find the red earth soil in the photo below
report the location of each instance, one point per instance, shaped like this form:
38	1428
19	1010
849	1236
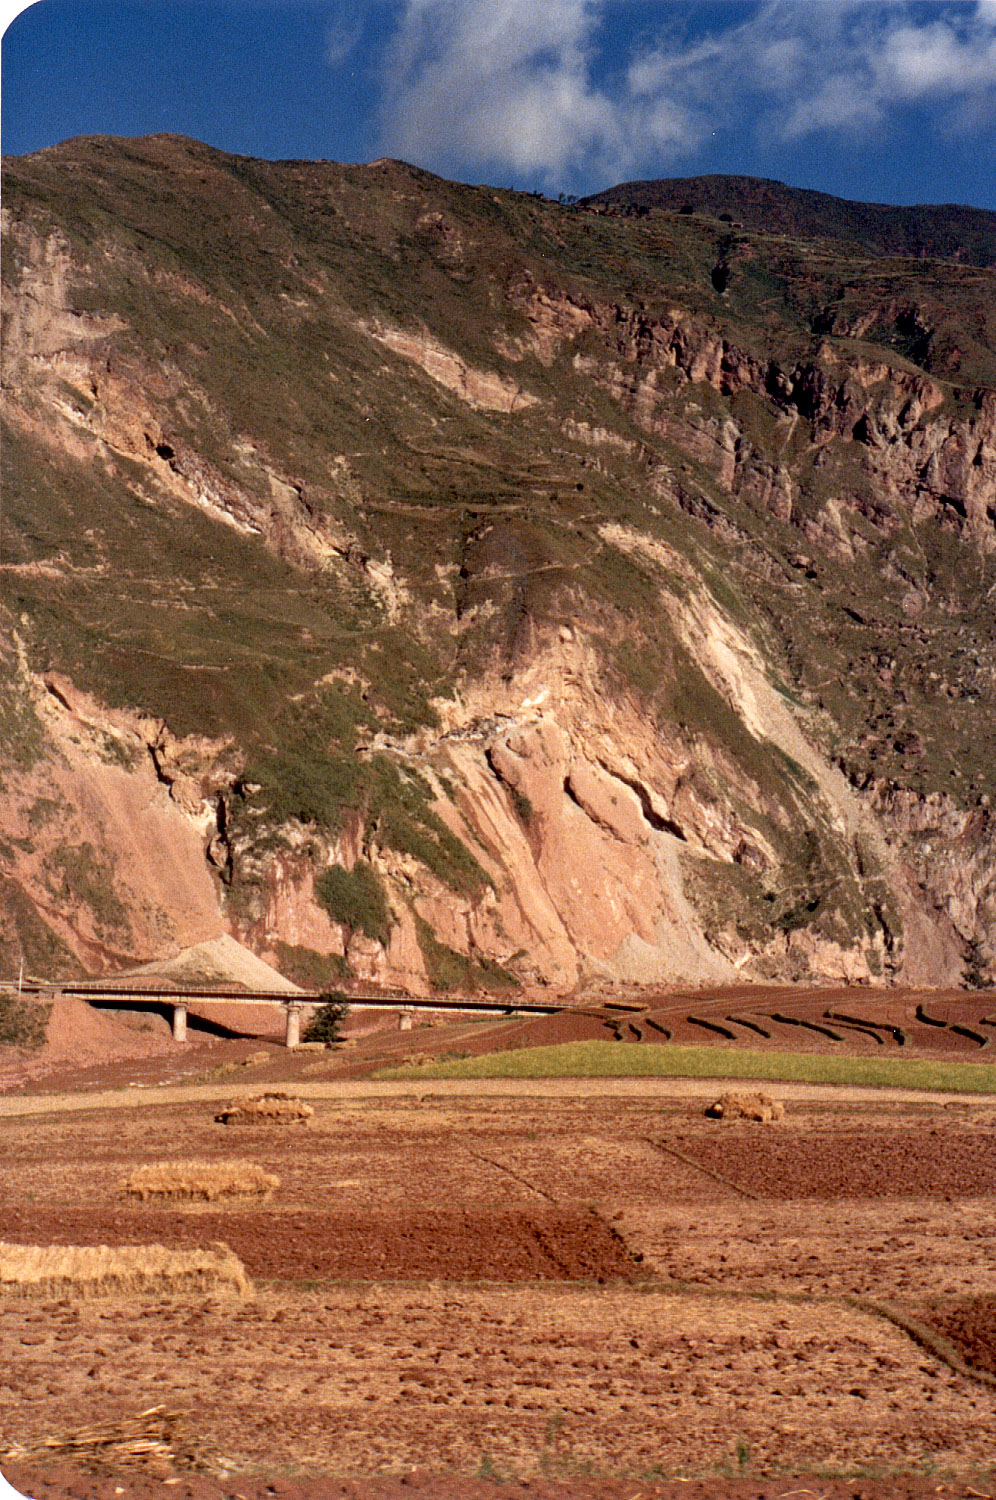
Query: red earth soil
62	1482
970	1325
770	1162
548	1244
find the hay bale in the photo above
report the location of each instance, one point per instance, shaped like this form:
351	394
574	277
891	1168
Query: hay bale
52	1271
746	1106
204	1181
266	1109
157	1440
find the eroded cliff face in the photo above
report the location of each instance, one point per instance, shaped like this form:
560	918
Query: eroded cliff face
105	832
925	452
609	850
596	639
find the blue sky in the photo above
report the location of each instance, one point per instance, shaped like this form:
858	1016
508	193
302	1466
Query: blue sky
886	100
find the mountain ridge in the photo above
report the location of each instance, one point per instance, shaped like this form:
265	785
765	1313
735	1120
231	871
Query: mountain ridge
948	231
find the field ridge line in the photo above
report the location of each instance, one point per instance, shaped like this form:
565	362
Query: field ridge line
928	1338
690	1161
522	1181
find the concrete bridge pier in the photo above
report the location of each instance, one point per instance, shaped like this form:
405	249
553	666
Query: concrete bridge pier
179	1023
407	1019
292	1036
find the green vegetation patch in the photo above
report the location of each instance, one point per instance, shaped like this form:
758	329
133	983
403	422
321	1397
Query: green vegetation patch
22	1022
609	1060
309	968
449	970
327	1022
26	938
315	773
356	899
325	788
77	873
21	733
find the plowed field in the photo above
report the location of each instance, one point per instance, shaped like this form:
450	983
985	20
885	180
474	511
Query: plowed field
560	1289
934	1161
371	1378
545	1244
970	1325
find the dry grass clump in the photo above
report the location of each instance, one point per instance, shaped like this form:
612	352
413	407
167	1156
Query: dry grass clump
123	1270
157	1439
266	1109
746	1106
205	1181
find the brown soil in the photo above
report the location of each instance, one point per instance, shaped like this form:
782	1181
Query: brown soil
970	1325
642	1019
544	1245
891	1250
932	1161
556	1284
88	1047
63	1482
77	1034
377	1377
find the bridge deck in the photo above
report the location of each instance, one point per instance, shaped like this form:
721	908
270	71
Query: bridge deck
109	995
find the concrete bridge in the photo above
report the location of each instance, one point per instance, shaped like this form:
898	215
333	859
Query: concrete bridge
123	996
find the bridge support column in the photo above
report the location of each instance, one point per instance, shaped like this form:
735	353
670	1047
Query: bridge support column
292	1036
179	1023
407	1020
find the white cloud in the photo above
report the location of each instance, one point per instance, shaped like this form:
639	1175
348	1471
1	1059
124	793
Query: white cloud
936	59
342	37
519	85
834	65
510	83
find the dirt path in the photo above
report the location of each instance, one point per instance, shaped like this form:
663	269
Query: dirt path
663	1089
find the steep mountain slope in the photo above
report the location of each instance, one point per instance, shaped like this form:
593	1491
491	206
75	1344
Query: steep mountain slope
441	586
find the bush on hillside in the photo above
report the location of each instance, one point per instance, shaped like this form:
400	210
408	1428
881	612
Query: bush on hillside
22	1022
356	899
326	1023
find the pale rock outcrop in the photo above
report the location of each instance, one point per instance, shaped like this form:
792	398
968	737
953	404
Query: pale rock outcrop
484	389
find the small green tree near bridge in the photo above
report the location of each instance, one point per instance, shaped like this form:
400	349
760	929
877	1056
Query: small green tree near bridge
326	1023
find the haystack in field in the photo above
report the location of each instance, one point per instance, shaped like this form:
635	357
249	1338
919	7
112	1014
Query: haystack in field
266	1109
746	1106
123	1270
203	1181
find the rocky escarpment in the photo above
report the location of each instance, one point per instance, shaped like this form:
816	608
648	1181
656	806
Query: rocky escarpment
915	451
393	582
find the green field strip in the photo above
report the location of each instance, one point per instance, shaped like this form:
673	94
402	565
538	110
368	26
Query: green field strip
596	1059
